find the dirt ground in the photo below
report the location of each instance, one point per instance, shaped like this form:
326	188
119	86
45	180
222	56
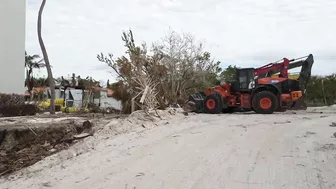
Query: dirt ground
292	150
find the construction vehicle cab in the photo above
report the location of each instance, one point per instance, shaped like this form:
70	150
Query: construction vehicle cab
255	89
245	80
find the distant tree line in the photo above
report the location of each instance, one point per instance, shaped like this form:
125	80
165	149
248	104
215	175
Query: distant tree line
321	90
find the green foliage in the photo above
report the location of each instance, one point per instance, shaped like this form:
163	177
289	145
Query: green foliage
207	73
228	74
40	82
77	81
321	90
32	62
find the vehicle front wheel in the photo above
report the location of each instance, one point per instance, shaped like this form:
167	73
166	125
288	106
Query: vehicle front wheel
213	104
264	102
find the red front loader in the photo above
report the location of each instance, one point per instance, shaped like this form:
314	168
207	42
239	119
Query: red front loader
255	89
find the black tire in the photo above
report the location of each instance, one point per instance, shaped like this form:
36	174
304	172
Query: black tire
228	110
217	104
269	97
281	110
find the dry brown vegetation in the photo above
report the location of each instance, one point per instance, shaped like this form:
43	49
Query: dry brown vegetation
14	105
174	67
23	144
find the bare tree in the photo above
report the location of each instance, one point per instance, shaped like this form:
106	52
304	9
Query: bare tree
138	73
189	67
46	59
176	67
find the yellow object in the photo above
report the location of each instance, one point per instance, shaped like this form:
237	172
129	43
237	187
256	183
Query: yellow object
73	109
290	76
59	101
46	103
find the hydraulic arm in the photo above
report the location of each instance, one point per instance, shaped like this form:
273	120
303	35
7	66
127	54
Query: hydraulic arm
305	73
285	65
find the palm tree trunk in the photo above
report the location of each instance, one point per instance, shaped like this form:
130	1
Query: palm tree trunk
46	59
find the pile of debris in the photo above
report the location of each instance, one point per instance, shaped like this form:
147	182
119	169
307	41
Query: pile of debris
23	144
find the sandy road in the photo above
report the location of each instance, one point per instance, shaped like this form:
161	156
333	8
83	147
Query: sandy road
237	151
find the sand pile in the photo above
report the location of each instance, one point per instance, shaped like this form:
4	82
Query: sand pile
140	120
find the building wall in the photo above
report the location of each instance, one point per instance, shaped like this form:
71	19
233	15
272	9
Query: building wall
12	46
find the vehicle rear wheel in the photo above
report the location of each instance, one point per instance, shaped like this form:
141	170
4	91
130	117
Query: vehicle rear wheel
264	102
213	104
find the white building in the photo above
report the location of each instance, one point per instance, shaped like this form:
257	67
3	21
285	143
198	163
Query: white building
12	46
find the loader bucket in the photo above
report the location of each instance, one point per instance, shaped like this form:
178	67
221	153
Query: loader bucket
195	103
304	78
305	73
299	105
190	106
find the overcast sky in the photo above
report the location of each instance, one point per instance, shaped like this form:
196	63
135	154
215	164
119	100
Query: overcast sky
242	32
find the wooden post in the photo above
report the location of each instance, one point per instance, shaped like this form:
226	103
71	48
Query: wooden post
323	93
144	95
133	102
